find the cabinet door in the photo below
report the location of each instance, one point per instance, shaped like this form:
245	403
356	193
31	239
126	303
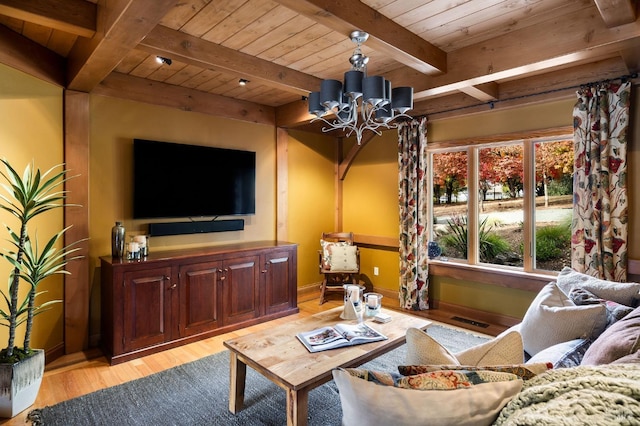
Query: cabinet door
240	289
279	274
199	297
147	308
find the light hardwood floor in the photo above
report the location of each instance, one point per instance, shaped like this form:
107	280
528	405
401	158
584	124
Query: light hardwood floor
82	373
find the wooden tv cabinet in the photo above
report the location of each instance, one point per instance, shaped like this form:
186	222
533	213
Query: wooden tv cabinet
176	297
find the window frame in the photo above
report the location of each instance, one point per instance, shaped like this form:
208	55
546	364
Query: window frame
525	277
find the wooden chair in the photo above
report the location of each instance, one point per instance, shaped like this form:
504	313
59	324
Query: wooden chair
344	271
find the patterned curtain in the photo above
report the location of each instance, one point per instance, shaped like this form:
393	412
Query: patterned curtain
599	226
412	194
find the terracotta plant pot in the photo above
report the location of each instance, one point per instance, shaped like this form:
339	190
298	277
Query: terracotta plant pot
20	383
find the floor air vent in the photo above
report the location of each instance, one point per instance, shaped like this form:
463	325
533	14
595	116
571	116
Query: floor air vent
471	322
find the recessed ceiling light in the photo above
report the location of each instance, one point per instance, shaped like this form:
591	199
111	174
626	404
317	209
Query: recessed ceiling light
243	82
163	60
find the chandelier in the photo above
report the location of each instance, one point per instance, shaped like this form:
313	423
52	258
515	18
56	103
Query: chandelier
362	102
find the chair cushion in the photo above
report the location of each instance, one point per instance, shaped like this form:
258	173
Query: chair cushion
553	318
369	403
344	258
423	349
327	251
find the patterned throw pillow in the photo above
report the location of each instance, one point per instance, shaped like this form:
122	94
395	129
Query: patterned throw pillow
564	354
627	294
327	248
368	403
615	310
423	349
440	379
523	371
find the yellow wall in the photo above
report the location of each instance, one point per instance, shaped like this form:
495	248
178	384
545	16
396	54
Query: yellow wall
311	198
31	131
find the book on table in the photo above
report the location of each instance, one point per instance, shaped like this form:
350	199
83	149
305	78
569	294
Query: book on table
340	335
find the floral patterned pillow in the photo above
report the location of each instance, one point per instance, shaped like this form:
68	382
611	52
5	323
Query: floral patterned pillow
327	248
524	372
434	380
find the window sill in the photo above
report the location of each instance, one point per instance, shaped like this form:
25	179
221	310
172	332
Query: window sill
497	276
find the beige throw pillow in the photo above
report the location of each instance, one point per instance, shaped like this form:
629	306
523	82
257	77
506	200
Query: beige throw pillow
423	349
327	251
368	403
343	258
553	318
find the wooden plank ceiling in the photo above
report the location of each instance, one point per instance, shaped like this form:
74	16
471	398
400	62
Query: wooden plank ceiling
455	54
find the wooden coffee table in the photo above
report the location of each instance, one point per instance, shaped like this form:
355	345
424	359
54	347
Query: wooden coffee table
278	355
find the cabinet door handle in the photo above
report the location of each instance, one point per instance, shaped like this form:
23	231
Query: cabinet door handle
266	268
222	274
173	286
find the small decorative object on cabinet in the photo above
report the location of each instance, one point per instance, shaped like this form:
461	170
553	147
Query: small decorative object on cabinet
176	297
117	240
27	196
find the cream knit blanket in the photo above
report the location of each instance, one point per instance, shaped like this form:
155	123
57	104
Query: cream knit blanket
587	395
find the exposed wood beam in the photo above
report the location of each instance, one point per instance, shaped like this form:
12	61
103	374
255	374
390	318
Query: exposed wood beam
483	92
119	85
173	44
616	12
72	16
386	36
293	114
121	26
346	163
31	58
583	34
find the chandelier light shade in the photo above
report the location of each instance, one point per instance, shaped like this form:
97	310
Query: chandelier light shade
362	102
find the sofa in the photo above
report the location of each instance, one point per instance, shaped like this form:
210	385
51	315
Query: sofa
574	359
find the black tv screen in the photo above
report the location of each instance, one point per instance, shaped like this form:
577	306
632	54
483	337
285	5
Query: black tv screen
173	180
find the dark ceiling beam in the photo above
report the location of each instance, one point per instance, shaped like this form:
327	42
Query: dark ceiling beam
76	17
138	89
385	35
192	50
584	38
121	26
31	58
483	92
617	12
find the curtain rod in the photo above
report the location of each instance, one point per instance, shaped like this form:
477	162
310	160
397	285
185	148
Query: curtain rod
491	104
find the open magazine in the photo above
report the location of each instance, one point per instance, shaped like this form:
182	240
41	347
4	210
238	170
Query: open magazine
338	336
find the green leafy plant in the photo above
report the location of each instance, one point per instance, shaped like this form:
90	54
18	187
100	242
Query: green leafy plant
552	241
26	197
456	238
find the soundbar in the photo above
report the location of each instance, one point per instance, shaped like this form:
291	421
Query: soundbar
181	228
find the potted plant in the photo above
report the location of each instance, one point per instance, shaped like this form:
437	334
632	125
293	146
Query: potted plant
25	197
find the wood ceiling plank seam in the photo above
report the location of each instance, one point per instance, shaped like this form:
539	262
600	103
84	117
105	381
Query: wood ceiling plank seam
324	58
209	16
146	67
216	85
303	38
378	4
260	28
330	39
487	28
238	20
399	8
165	72
576	35
386	36
277	37
183	75
189	49
130	61
183	12
201	79
444	16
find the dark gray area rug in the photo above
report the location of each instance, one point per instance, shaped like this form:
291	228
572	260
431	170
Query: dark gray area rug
196	393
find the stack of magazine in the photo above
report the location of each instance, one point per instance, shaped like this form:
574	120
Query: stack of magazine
338	336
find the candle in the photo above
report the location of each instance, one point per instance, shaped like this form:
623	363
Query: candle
354	295
372	301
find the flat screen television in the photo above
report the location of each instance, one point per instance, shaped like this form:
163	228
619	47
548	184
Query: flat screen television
172	180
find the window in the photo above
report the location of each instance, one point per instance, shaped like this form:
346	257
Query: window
505	203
